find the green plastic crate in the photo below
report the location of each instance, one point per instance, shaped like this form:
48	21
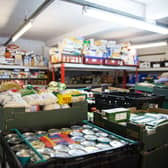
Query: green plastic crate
117	114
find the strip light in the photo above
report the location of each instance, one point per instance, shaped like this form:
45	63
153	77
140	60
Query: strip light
147	45
25	28
124	20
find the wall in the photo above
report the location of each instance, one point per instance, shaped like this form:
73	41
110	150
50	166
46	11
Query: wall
38	47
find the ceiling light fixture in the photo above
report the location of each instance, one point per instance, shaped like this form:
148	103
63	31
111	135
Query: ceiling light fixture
124	20
147	45
24	29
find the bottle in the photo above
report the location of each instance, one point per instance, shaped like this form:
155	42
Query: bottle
7	53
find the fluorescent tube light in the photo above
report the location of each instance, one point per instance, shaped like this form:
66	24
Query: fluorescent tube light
147	45
124	20
22	31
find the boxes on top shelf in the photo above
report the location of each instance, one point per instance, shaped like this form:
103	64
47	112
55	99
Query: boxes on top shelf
14	55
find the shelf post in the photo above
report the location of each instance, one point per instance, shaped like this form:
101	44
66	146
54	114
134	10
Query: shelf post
136	74
62	73
124	82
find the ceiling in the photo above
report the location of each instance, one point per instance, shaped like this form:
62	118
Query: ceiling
62	18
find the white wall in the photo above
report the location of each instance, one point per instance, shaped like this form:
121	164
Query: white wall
38	47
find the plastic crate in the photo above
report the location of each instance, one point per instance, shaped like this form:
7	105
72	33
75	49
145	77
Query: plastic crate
137	132
126	155
66	58
121	99
156	158
18	118
113	62
93	60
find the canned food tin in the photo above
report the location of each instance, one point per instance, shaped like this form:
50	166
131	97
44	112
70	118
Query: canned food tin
61	154
41	132
37	144
103	140
76	133
91	149
19	147
95	130
90	137
66	130
54	131
76	146
61	148
28	134
76	152
78	139
116	144
14	140
88	143
8	136
103	146
88	131
101	134
76	127
32	138
87	126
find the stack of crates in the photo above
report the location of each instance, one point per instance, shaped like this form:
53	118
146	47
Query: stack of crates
121	99
20	122
154	150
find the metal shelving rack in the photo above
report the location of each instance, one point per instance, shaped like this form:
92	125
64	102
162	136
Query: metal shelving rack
63	67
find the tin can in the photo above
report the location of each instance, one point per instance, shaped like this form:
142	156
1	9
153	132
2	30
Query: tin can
91	149
61	148
101	134
76	146
24	156
87	132
88	143
90	137
77	152
38	144
103	140
95	130
66	130
8	136
76	127
41	132
61	154
116	144
76	133
14	140
103	146
53	131
19	147
78	139
87	126
28	134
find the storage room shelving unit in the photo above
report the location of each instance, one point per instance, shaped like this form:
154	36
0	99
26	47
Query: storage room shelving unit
63	67
28	80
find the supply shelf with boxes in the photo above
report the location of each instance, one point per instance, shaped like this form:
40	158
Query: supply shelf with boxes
77	54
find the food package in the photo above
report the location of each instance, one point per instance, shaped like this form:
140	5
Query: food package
9	85
11	99
78	98
64	106
33	99
52	107
48	98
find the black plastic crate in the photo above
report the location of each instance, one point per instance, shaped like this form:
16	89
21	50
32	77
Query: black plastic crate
116	158
120	99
